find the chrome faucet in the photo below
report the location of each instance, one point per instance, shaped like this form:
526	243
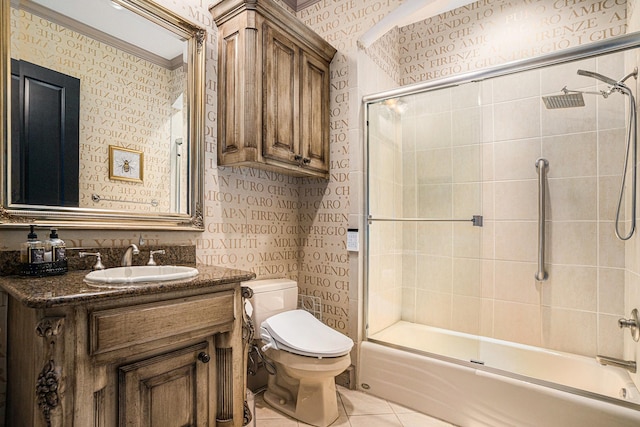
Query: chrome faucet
98	265
629	365
152	253
126	258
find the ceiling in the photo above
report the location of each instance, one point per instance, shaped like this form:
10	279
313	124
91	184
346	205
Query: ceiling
120	23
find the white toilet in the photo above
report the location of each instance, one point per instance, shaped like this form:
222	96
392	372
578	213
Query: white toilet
307	353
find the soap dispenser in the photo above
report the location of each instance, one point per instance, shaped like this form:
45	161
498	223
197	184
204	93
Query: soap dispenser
32	251
55	247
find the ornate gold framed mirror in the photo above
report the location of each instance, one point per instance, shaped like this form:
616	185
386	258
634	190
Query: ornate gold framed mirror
74	159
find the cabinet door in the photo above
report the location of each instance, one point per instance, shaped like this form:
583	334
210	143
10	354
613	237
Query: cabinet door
167	390
314	113
281	96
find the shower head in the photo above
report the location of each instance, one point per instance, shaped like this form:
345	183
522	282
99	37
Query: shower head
568	99
600	77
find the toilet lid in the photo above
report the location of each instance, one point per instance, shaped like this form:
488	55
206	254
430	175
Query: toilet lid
299	332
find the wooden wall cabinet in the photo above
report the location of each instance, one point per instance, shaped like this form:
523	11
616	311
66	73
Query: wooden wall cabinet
154	360
273	90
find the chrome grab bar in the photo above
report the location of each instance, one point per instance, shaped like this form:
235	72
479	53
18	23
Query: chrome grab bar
541	165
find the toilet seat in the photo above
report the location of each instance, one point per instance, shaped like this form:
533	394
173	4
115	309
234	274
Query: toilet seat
299	332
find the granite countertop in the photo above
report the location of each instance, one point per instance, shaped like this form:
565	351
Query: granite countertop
70	288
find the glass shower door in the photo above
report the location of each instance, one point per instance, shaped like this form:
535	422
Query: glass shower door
424	185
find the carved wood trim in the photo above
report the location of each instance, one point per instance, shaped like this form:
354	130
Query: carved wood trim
200	36
47	388
99	410
224	380
50	327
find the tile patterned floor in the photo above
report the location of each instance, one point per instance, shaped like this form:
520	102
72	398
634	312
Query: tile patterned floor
356	409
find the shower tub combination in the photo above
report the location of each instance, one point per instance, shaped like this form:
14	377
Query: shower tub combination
532	386
463	378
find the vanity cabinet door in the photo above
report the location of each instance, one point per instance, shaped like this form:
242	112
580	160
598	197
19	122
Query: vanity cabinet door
170	390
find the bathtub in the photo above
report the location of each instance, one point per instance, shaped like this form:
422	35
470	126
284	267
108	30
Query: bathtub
481	381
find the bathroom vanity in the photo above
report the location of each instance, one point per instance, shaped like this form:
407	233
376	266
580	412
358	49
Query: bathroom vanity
167	353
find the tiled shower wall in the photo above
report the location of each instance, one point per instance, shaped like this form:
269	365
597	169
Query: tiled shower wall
481	280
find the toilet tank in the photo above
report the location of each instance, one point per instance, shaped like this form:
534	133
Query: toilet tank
271	296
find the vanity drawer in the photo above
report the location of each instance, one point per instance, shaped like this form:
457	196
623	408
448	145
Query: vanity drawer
122	327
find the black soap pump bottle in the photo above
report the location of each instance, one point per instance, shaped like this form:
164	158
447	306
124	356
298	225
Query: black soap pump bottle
55	246
32	251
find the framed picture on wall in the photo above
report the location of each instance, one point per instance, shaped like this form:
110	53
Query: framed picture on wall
125	164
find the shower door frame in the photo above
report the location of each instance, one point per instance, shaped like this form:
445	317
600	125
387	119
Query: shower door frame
592	50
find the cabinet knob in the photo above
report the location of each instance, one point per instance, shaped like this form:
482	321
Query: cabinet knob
306	161
204	357
297	157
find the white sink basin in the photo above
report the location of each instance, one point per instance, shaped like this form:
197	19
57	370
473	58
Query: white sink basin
127	276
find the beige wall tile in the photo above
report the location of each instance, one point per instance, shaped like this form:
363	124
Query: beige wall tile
466	314
611	250
517	86
434	238
467	126
518	119
488	278
611	293
554	79
408	312
573	155
467	200
434	166
611	110
611	151
516	159
487	248
434	308
435	201
570	330
516	241
467	240
435	273
610	337
467	163
433	131
467	277
572	243
572	199
516	200
515	282
517	322
569	120
467	95
573	287
609	195
486	317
